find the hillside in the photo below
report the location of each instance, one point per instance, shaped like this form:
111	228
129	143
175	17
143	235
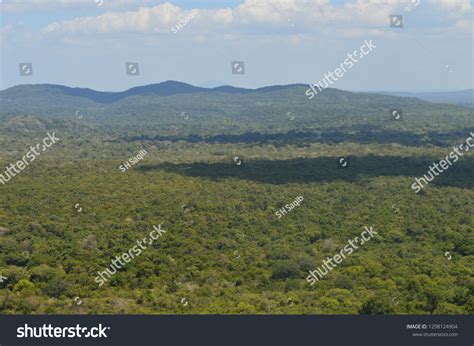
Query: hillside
219	164
160	109
462	97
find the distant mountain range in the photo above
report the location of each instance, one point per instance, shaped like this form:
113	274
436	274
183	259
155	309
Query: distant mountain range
165	107
167	88
465	97
179	111
173	97
170	88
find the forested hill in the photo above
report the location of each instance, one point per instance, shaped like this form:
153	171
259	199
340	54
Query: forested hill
166	106
462	97
219	164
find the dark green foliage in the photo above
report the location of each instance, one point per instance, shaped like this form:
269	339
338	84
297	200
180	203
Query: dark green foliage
225	250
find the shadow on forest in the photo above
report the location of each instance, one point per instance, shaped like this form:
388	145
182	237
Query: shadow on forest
324	169
364	135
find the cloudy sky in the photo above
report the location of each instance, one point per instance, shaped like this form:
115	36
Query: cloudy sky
86	43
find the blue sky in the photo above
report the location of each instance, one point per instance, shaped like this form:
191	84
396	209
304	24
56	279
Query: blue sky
86	43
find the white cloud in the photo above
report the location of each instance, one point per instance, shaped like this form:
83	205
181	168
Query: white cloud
143	20
463	6
257	16
48	5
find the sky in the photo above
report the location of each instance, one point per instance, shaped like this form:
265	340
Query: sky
87	43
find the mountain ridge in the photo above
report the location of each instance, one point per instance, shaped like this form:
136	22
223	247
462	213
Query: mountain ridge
171	87
460	97
166	88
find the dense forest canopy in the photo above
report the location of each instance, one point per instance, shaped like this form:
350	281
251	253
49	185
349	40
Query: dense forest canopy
220	163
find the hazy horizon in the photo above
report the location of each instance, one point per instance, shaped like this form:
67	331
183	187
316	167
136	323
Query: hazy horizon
201	85
84	44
